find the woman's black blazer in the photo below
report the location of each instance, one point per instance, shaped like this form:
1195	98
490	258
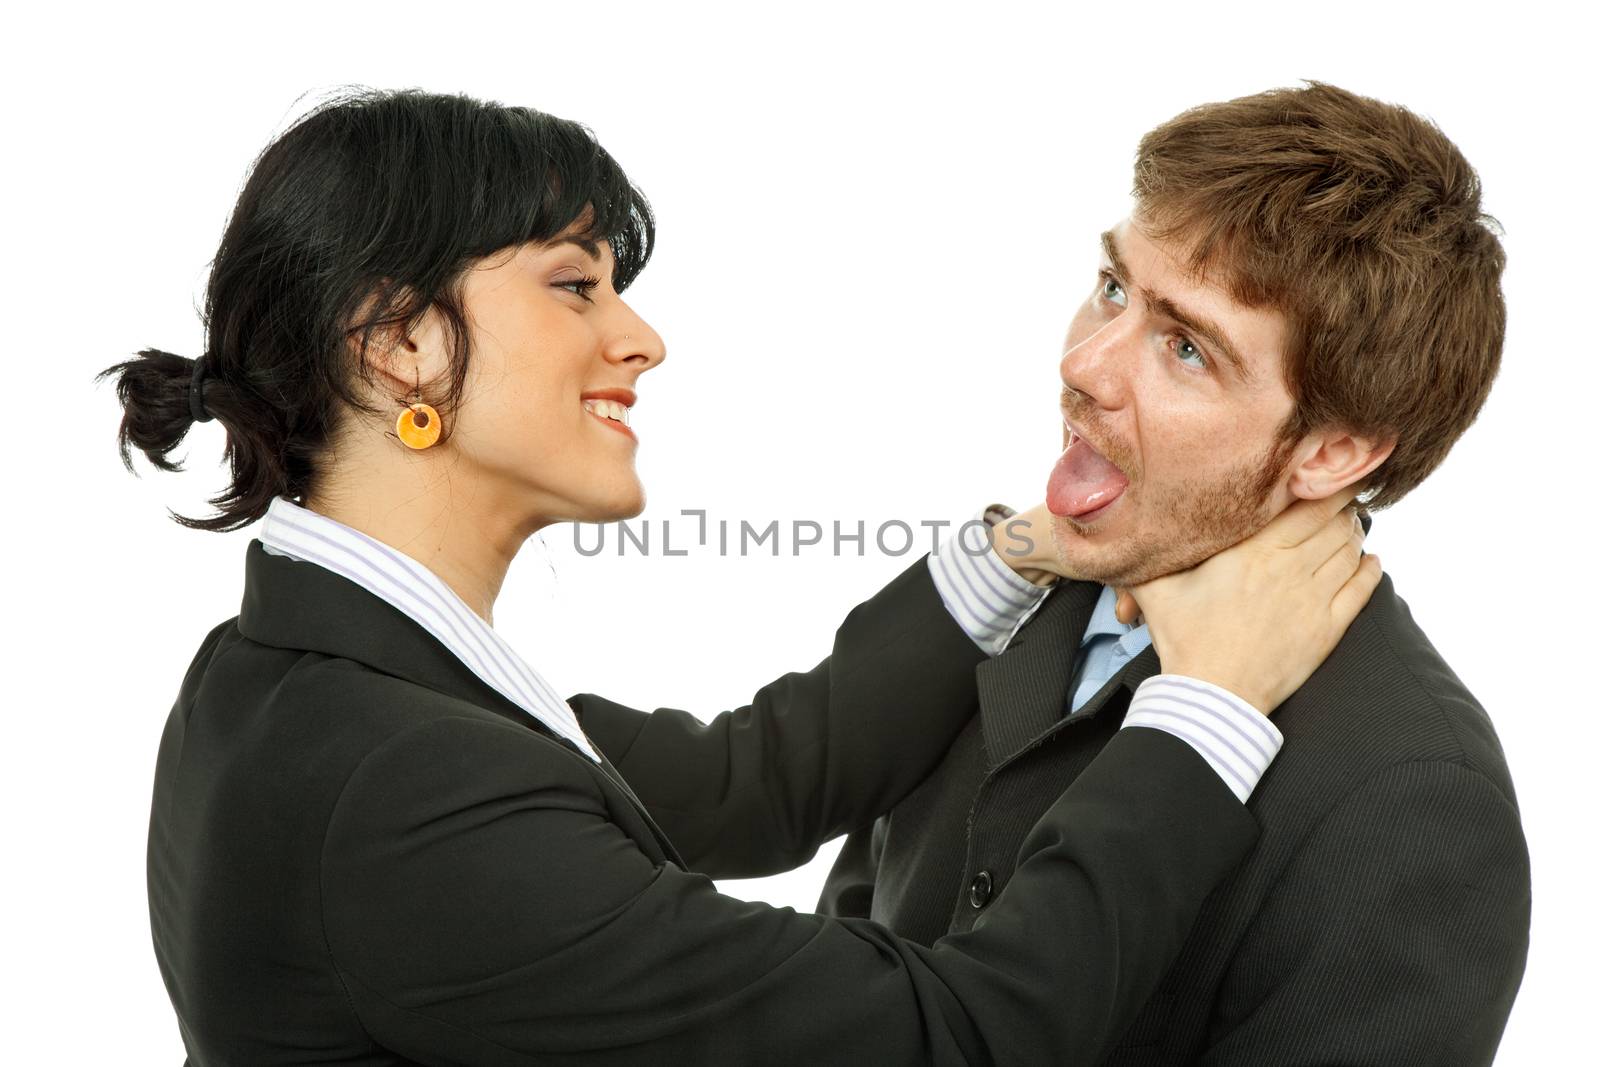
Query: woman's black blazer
361	854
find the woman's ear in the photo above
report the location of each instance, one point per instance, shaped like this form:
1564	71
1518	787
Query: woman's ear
401	356
1333	459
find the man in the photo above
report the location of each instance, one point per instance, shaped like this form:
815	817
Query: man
1306	297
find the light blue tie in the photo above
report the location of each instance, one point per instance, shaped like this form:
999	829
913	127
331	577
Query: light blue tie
1107	647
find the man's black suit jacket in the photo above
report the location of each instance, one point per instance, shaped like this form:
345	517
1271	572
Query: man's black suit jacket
359	853
1382	917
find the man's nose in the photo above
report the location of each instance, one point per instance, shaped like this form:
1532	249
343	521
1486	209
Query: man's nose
1099	365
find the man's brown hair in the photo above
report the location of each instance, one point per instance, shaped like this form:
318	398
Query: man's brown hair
1360	222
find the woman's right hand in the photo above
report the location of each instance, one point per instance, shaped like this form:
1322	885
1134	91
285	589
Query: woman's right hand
1259	617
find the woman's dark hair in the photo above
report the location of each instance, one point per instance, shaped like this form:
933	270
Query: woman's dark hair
365	214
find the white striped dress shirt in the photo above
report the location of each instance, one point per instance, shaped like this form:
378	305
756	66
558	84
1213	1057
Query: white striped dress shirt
991	601
302	534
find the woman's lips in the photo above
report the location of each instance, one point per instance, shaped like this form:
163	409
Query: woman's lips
610	406
613	424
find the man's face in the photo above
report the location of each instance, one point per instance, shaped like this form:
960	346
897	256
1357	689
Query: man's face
1150	382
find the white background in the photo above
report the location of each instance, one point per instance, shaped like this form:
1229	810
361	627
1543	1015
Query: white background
875	223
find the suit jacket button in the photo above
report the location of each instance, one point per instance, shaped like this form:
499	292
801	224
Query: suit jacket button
981	890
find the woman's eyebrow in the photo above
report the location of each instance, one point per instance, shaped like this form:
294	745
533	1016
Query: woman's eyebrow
1197	324
589	247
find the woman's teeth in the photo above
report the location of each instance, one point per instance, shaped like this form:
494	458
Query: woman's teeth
608	409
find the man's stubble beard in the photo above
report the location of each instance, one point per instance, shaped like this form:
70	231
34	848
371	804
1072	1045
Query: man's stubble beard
1182	528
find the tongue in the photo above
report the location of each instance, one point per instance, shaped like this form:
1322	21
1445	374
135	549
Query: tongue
1083	480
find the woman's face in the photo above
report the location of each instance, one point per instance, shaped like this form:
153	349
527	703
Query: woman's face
555	352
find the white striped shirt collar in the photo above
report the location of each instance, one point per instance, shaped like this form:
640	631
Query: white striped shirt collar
387	573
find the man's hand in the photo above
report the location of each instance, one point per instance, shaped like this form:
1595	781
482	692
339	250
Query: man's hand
1259	617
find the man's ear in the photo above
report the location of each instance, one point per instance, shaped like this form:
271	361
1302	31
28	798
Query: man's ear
1329	460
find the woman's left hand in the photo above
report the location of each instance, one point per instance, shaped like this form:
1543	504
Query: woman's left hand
1259	617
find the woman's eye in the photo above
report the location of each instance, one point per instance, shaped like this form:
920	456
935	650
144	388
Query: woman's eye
579	286
1111	289
1187	349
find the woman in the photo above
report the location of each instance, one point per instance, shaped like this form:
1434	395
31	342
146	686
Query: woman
378	837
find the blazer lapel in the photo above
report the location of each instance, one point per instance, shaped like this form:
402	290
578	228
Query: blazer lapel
1125	681
291	603
1022	693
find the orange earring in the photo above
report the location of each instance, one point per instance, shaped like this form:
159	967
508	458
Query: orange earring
418	425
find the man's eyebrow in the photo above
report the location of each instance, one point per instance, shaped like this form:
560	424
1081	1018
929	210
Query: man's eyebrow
1199	325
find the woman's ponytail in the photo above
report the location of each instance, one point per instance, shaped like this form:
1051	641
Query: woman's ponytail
156	413
162	395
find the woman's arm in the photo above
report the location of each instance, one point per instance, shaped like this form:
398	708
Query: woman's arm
819	754
482	908
814	754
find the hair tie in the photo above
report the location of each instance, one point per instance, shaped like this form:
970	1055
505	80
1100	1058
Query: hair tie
197	402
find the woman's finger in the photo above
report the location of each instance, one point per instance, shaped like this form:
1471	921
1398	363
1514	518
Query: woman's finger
1127	607
1344	556
1348	601
1304	518
1316	550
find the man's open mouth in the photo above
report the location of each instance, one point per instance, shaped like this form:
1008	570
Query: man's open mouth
1083	483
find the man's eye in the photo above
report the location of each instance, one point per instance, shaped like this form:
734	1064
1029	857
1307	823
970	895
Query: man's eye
1111	289
1187	349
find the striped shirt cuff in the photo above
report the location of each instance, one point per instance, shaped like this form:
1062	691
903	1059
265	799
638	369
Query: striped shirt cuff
1229	733
988	599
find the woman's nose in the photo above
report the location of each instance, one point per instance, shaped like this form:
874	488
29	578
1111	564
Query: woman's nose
635	343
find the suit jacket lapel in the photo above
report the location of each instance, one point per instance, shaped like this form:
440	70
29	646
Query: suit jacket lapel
1118	686
1023	692
291	603
1020	691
